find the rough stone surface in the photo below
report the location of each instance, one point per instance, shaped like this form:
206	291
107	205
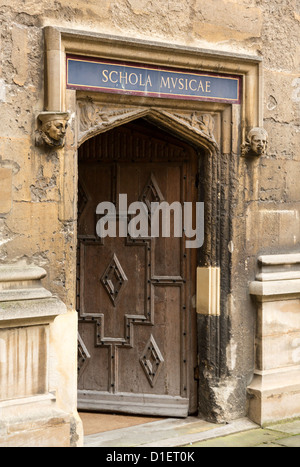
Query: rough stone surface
265	210
5	190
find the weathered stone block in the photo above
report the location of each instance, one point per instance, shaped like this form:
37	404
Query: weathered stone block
5	191
268	190
37	225
2	90
23	362
52	431
292	180
279	89
245	23
274	397
281	317
19	54
270	228
17	158
284	140
278	351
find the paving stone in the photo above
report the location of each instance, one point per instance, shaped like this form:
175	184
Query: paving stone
250	438
291	442
270	445
155	432
292	427
194	432
167	433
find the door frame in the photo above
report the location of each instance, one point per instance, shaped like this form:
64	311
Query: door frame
220	165
185	402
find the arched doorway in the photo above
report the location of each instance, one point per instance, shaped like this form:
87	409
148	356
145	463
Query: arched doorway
136	297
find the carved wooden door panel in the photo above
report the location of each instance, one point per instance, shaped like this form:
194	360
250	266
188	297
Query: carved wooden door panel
135	297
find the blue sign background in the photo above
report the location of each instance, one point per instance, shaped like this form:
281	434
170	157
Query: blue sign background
104	76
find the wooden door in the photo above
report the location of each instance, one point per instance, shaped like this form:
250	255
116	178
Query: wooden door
136	297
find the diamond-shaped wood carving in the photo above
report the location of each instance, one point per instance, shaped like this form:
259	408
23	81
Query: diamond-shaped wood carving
114	280
151	193
83	356
152	361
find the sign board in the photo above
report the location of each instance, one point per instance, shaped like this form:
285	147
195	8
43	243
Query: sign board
98	75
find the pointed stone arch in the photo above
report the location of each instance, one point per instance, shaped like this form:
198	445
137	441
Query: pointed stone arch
216	174
196	127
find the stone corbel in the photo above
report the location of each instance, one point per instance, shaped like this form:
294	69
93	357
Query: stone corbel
256	143
52	128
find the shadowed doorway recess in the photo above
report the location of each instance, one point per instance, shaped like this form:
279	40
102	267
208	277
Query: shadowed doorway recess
136	296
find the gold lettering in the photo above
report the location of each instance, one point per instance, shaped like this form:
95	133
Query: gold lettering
165	82
124	77
141	80
181	83
131	80
149	81
110	76
193	81
174	82
200	88
104	73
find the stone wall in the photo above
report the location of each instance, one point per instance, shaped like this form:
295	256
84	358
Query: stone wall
269	28
266	207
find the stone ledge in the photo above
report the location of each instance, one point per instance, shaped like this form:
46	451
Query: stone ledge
274	397
24	294
23	297
109	39
276	383
43	429
279	260
22	283
278	277
9	273
31	309
276	288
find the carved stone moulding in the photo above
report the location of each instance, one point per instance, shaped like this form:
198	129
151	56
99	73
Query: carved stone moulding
94	118
52	128
256	143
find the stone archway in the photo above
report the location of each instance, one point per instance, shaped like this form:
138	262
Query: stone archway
156	308
196	127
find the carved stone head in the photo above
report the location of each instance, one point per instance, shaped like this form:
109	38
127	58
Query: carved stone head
256	144
53	128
